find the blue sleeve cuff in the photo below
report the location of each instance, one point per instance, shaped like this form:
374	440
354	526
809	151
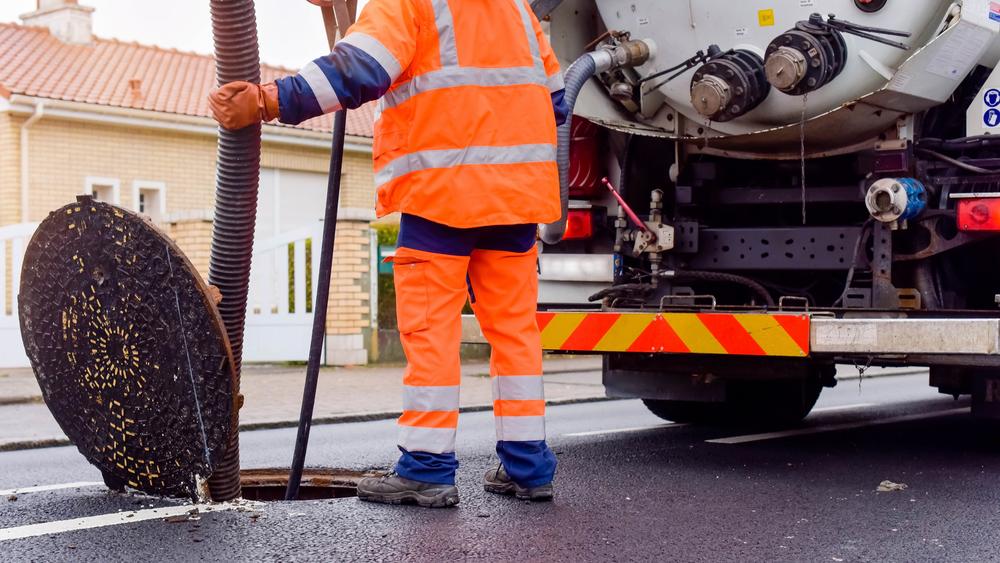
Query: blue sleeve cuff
354	75
559	106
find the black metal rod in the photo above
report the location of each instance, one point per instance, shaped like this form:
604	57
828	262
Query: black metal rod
320	302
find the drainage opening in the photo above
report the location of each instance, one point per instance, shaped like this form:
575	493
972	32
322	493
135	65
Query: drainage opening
317	483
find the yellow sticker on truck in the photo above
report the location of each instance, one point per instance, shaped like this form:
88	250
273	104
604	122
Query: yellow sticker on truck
765	17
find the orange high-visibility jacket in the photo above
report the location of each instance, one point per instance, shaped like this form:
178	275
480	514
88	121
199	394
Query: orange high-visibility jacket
465	132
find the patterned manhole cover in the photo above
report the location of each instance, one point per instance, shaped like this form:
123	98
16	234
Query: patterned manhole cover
128	349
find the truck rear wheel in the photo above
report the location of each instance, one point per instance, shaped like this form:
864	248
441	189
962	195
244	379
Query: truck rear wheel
755	403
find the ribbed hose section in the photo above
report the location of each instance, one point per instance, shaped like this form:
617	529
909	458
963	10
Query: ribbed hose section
234	25
576	77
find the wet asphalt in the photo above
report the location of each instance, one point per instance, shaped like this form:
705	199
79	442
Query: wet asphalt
650	492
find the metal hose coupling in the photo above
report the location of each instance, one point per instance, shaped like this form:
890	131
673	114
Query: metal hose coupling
605	58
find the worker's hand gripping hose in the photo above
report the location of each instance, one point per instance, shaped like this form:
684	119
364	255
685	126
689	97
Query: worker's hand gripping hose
234	25
632	53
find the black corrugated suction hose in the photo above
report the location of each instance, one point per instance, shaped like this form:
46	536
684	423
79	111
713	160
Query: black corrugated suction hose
234	25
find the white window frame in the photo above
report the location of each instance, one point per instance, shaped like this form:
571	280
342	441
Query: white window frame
116	187
139	185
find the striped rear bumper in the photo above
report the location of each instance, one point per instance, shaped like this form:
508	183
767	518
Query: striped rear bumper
745	334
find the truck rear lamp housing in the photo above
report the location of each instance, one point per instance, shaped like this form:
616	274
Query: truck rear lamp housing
579	224
979	214
585	168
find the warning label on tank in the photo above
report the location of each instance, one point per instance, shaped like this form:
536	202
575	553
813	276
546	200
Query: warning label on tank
765	18
807	3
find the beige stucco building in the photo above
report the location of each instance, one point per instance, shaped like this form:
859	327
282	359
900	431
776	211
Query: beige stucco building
130	124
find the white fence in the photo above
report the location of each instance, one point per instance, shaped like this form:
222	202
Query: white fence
13	241
282	288
279	309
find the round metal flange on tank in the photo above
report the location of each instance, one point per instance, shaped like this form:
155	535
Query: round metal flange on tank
128	348
729	85
806	58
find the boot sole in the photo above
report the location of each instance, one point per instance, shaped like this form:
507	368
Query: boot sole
440	500
510	489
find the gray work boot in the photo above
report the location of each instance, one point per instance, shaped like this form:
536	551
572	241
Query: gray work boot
393	489
497	481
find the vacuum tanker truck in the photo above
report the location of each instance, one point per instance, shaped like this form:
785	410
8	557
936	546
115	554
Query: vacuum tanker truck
756	191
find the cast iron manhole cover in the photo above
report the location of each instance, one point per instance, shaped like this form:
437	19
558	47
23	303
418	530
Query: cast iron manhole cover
129	350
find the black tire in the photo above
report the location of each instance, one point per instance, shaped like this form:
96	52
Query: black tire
754	403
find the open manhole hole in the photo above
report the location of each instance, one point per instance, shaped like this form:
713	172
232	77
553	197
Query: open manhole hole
317	483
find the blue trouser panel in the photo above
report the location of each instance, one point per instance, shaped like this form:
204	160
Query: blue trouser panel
529	464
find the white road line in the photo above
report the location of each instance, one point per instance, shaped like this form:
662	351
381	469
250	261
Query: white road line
41	488
624	430
844	407
104	520
834	427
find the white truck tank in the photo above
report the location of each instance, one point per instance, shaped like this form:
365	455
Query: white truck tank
877	85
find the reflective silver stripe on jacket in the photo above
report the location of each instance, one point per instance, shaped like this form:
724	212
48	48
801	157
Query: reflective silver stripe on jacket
555	82
430	398
446	33
377	51
529	30
448	158
321	87
518	388
451	77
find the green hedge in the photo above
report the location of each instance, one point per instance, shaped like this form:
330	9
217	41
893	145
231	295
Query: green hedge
387	235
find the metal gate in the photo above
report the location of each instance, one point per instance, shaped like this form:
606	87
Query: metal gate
279	310
13	240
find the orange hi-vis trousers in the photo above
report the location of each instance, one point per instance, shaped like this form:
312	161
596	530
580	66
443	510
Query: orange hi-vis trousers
437	268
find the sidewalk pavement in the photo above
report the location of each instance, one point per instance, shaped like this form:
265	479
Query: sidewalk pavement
273	396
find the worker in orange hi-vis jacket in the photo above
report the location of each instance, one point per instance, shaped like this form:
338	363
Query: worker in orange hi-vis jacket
470	94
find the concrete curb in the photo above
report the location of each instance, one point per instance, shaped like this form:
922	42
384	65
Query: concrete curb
34	399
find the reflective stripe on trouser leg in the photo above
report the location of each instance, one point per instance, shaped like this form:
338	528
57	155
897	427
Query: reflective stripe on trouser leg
430	293
506	287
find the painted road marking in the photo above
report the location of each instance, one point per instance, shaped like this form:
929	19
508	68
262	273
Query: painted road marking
625	430
114	519
843	407
834	427
41	488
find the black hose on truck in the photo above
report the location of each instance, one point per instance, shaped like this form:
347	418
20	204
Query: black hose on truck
234	25
631	53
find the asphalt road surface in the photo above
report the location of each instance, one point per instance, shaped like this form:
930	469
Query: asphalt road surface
630	487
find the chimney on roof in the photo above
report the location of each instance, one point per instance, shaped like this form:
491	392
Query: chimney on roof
67	20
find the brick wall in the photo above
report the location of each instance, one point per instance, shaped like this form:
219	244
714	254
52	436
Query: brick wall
64	153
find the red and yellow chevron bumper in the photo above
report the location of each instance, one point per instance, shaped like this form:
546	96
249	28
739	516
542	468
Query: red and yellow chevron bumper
742	334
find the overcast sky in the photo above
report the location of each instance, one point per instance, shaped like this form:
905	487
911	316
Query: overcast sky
291	31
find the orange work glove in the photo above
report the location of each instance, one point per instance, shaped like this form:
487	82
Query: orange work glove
241	104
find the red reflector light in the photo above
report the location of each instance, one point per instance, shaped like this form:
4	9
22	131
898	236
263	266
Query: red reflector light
579	224
979	214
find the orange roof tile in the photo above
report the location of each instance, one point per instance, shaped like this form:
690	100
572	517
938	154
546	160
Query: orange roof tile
126	75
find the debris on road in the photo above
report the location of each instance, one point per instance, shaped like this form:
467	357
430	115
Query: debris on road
189	516
890	487
12	498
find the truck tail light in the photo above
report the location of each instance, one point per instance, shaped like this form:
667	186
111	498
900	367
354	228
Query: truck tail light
585	170
979	214
579	224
